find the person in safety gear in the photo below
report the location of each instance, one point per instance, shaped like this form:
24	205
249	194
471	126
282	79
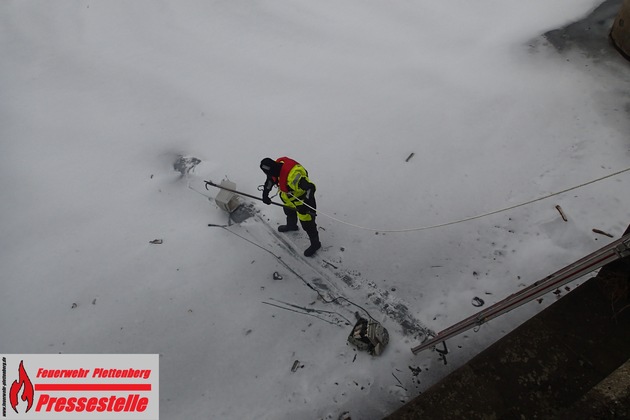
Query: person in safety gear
298	196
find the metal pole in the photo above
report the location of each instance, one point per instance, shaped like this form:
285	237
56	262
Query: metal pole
593	261
239	193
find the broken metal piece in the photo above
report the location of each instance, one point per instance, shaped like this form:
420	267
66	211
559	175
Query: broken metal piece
370	336
564	217
345	416
477	302
601	232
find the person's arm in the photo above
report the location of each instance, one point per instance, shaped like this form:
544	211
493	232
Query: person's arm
309	194
266	189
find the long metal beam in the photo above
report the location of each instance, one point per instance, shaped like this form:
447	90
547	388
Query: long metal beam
605	255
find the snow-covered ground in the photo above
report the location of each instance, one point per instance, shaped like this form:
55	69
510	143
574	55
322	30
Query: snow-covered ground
100	98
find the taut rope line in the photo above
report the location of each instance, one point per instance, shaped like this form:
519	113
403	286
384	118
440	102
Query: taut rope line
319	212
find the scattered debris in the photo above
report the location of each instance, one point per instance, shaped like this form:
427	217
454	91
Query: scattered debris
345	416
296	366
74	305
277	276
185	164
415	371
409	157
399	383
156	242
369	335
564	217
94	301
442	353
477	302
601	232
330	264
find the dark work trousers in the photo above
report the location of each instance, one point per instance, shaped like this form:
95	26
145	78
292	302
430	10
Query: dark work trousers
310	227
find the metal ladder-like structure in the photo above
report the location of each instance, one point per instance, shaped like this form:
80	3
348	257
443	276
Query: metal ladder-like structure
609	253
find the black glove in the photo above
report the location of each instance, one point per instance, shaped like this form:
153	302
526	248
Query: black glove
309	194
308	187
266	199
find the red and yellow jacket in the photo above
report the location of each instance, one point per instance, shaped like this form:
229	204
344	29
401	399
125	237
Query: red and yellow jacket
295	186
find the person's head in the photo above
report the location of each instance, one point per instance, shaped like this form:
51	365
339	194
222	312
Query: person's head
270	167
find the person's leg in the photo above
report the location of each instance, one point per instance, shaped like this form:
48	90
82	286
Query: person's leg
311	230
292	219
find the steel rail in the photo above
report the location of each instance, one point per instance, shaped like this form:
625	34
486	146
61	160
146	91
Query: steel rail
605	255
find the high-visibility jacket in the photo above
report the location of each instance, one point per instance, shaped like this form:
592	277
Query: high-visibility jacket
295	187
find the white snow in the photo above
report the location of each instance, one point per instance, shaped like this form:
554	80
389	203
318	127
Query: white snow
100	98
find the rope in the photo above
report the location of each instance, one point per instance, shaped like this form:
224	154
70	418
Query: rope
467	218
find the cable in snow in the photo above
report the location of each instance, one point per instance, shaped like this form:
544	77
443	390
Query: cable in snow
310	286
197	191
309	313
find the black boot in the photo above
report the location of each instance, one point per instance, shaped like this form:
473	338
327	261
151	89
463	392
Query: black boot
313	235
310	251
292	220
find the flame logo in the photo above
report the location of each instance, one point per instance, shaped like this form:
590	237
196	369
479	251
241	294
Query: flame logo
27	392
